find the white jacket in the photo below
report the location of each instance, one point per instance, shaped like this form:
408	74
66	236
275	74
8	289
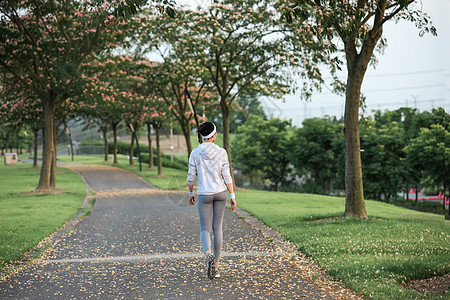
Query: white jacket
210	163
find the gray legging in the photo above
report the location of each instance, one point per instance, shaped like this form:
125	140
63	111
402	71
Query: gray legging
211	209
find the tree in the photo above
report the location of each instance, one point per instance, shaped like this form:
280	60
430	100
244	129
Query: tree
172	89
244	107
21	109
158	114
240	45
432	149
264	146
176	73
112	93
358	25
383	167
42	47
406	118
313	151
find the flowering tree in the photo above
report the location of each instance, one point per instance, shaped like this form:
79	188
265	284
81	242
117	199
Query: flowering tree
42	47
108	93
239	45
174	80
156	115
358	26
22	109
177	72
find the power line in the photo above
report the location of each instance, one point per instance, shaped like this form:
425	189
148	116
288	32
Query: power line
399	74
407	73
396	89
405	88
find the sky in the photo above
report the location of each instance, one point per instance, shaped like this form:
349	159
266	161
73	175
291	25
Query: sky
414	72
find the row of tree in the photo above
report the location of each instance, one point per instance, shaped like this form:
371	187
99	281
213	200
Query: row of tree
400	149
56	61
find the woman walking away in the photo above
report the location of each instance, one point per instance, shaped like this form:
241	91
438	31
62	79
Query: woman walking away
210	163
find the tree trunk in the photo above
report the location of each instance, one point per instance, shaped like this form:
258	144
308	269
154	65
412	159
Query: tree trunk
114	127
407	193
48	151
187	136
29	144
150	148
354	196
55	156
158	149
53	173
35	147
226	134
132	150
105	140
356	69
417	194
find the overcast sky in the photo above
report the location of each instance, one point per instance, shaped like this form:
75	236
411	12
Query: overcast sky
414	71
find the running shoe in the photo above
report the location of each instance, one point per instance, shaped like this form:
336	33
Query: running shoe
210	266
217	274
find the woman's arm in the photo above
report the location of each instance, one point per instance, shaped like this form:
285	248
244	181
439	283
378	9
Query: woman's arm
191	195
228	180
191	178
232	196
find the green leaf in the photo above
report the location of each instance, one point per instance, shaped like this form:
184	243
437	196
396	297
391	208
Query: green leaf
170	12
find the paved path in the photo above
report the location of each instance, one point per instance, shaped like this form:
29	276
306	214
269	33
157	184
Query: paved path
143	243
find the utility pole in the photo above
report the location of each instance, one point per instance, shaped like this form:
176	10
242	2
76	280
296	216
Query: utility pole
415	100
171	142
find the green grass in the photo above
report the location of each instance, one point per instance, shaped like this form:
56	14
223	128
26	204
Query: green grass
371	257
171	179
26	219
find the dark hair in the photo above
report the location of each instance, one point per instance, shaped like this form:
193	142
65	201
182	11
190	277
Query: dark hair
206	128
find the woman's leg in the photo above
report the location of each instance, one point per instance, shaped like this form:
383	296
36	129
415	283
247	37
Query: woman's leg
205	211
220	201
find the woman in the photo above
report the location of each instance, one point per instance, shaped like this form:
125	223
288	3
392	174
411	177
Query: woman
210	163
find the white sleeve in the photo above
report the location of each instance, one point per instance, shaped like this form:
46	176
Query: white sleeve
226	168
192	170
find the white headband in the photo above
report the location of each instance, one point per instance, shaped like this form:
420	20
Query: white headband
205	137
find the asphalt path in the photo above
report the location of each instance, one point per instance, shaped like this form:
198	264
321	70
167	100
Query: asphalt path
143	243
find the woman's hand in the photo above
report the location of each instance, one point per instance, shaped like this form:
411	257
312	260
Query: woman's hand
233	203
192	200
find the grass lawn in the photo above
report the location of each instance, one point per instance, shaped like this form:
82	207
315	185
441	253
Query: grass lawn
371	257
26	219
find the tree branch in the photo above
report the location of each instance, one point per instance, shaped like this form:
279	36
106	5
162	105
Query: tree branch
19	22
61	28
390	16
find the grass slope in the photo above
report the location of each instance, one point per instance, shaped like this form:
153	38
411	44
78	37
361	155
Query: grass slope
371	257
26	219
